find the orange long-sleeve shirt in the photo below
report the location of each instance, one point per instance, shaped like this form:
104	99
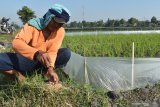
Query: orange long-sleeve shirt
29	40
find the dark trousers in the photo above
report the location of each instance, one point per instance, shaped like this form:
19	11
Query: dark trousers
10	61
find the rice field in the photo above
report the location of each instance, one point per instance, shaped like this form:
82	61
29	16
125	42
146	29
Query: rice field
145	45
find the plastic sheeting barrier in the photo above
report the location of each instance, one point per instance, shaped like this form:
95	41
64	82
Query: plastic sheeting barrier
113	73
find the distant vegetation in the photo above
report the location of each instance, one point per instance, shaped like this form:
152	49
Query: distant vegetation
115	25
132	22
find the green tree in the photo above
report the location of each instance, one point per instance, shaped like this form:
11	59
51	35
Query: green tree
116	23
147	23
122	22
84	24
132	21
141	24
79	24
25	14
154	21
99	23
92	24
110	23
73	24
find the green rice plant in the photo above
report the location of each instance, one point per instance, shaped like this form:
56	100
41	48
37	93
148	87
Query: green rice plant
146	45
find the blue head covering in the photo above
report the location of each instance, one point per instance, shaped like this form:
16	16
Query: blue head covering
56	10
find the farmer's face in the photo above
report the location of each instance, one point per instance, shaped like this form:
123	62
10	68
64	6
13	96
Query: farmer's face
53	25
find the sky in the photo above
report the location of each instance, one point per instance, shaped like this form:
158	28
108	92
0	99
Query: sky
89	10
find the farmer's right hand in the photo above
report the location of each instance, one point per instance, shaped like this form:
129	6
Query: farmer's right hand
52	75
43	58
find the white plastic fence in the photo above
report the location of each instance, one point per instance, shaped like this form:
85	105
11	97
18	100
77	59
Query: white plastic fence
114	73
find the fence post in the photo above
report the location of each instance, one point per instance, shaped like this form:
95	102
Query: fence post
85	71
132	66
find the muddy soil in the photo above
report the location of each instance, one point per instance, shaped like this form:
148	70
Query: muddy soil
139	97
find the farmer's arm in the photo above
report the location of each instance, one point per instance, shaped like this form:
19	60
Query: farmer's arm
54	44
53	47
20	42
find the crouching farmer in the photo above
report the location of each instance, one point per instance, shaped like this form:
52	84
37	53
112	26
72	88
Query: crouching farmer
37	46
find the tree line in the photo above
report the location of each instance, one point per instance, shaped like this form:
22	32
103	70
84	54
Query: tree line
26	13
132	22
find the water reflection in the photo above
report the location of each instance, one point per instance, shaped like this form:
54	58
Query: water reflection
112	32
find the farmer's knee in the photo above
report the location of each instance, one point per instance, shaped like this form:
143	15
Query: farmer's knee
63	57
67	53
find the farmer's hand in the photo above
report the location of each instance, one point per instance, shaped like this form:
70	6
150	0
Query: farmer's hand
43	58
52	75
